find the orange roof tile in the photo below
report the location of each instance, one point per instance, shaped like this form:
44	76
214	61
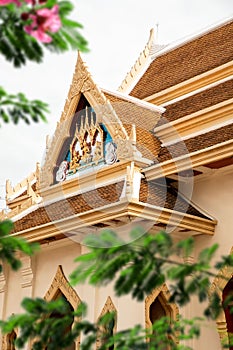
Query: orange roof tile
144	120
197	143
186	61
201	100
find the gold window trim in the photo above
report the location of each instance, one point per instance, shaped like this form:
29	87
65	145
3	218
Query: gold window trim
61	284
218	285
6	338
171	309
108	307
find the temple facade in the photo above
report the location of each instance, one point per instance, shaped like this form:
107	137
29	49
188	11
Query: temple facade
157	152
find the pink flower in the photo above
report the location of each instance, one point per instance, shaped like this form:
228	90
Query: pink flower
6	2
49	19
44	21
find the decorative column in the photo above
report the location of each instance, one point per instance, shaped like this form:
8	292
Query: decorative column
2	292
26	276
26	282
131	189
2	301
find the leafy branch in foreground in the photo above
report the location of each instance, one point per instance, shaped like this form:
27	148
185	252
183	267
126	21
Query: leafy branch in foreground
23	30
18	107
10	245
136	269
46	324
68	36
15	44
148	262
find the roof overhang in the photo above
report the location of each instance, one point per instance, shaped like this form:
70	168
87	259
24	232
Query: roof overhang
123	211
197	123
190	160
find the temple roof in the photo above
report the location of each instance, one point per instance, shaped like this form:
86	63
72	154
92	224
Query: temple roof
197	143
80	187
185	59
109	205
212	95
144	120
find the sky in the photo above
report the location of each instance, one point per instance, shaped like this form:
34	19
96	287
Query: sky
117	32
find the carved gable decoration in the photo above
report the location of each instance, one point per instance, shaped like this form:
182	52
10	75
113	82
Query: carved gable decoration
82	138
90	146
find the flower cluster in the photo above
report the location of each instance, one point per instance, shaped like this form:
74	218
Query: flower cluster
41	21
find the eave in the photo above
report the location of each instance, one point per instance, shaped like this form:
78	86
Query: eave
190	160
196	123
192	84
122	210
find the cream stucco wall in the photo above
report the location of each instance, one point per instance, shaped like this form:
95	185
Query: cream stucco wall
214	193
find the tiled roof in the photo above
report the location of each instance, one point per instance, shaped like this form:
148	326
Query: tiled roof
191	59
154	193
201	100
144	120
197	143
70	206
165	195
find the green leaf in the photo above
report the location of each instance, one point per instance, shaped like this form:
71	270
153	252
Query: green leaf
18	107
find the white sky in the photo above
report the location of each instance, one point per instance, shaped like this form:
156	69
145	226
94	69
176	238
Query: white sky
117	32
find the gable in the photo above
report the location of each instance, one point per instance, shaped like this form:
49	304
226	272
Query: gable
88	133
89	145
95	130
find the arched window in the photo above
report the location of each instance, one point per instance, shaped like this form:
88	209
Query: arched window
157	305
110	328
58	315
223	286
60	288
10	340
227	299
157	310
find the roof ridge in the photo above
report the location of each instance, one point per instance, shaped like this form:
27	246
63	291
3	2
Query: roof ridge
139	67
195	35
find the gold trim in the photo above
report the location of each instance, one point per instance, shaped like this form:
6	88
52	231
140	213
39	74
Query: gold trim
195	122
86	181
60	283
190	160
163	294
119	210
108	307
5	340
139	65
83	83
218	285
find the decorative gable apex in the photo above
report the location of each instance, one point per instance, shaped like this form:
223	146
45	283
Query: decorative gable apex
89	131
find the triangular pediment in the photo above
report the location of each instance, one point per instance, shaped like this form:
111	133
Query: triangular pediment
88	134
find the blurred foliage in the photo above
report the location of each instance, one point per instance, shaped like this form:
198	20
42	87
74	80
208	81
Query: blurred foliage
18	47
148	262
136	269
10	246
41	323
17	107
